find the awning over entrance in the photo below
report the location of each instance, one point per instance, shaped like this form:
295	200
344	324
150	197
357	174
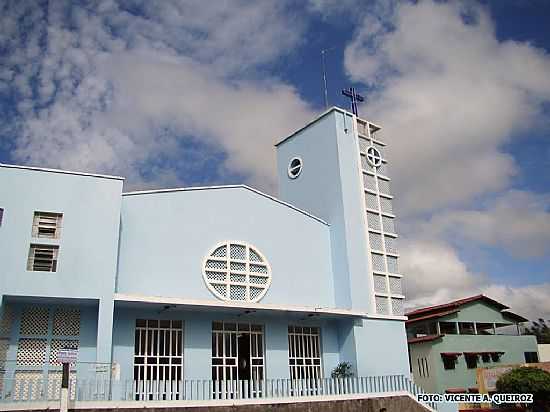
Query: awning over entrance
238	307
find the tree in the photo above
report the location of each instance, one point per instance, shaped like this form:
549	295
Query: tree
528	380
342	370
541	330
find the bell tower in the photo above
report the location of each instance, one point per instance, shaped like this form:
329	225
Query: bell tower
336	168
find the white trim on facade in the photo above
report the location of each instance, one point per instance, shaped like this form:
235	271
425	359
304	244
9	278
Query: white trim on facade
67	172
196	303
187	189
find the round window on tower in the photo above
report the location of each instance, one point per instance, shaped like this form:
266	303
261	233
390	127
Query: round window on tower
294	167
374	157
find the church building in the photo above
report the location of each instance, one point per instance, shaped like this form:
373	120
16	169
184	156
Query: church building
206	283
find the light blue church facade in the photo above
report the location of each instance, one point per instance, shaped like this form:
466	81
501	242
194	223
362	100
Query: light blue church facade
213	283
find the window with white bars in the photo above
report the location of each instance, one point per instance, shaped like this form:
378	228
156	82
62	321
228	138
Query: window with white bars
46	225
236	271
42	258
158	356
382	306
304	352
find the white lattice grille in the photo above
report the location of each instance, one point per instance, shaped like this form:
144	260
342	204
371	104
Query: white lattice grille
395	286
386	205
363	144
382	306
365	165
392	264
31	352
383	170
375	241
391	244
380	283
380	147
220	252
28	385
4	347
388	224
238	251
373	220
66	322
383	186
397	306
57	344
371	201
7	321
369	182
232	277
34	321
378	262
54	385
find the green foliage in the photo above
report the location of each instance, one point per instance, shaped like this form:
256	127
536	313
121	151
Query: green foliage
541	330
526	380
342	370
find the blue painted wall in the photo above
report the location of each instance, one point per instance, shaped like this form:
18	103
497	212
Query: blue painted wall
166	236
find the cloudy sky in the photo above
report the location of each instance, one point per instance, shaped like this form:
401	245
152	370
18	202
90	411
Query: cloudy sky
181	93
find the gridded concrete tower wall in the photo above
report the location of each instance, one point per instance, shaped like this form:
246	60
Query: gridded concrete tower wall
344	180
380	220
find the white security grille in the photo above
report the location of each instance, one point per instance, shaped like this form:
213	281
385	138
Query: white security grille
373	220
397	306
363	144
388	224
384	186
395	286
66	322
158	356
54	384
386	205
43	258
382	305
46	225
391	244
392	264
7	321
4	347
57	344
237	351
369	182
380	283
304	352
378	262
243	274
375	241
28	385
31	352
383	170
365	165
371	201
34	321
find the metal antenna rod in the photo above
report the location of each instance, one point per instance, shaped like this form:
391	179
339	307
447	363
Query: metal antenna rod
325	74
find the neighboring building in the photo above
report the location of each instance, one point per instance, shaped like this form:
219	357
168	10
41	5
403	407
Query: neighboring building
207	283
447	343
544	352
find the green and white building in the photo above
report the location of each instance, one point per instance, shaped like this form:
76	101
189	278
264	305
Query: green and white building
447	343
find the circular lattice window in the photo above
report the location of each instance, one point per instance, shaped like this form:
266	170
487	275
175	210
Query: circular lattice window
237	271
374	157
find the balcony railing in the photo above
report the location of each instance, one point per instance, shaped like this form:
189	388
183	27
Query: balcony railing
32	390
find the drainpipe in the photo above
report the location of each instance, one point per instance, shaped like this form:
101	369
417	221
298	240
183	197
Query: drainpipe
475	328
457	328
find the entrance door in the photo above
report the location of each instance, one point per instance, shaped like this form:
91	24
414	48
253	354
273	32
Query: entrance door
237	351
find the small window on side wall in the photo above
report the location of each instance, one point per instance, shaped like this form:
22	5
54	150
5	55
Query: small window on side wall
471	360
46	225
531	357
1	215
42	258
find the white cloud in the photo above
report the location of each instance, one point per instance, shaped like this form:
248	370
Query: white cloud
110	86
517	221
449	95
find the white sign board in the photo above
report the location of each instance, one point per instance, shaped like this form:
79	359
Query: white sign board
67	355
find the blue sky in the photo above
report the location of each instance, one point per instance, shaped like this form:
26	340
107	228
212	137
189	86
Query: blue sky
180	93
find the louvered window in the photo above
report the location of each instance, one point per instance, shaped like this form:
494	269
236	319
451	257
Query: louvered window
46	225
43	258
